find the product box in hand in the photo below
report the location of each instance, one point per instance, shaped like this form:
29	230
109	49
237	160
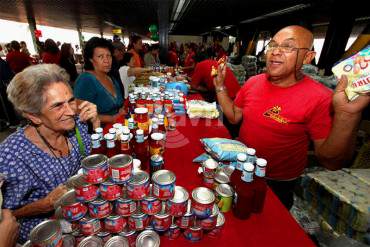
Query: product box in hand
357	70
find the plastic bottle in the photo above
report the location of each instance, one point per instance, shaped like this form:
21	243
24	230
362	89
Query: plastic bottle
260	186
111	146
141	149
251	155
96	145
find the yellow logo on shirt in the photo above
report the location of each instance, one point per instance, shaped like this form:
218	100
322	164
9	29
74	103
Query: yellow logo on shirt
274	113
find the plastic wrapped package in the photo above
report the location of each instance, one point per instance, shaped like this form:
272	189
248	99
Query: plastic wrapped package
223	149
201	109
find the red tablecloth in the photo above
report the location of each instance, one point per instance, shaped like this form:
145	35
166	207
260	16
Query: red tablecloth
273	227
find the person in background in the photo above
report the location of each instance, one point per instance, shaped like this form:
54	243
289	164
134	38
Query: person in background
152	56
95	85
51	53
67	62
173	59
128	72
117	43
2	54
118	51
135	47
9	229
16	59
282	110
189	63
24	48
38	158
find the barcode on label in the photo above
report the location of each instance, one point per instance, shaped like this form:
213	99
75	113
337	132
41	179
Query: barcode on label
115	174
156	190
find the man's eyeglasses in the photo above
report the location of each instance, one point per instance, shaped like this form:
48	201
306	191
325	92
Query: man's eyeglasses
283	47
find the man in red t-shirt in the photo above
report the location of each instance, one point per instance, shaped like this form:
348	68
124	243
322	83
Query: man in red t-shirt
282	110
16	59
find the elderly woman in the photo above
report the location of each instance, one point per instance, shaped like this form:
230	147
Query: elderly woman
40	157
95	85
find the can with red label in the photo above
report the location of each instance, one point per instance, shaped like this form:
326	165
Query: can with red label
194	233
67	227
138	185
162	221
114	223
117	241
187	219
130	236
174	232
105	236
47	233
138	221
110	191
120	168
78	237
150	205
208	182
163	184
99	208
95	168
125	206
89	226
177	206
216	232
85	192
72	209
210	222
203	202
68	240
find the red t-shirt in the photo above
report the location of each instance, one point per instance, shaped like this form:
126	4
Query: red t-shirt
18	61
189	61
279	122
173	59
48	57
202	75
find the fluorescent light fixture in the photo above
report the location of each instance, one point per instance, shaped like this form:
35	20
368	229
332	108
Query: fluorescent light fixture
218	27
178	9
277	13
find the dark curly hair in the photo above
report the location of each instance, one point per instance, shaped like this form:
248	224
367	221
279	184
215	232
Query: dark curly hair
91	44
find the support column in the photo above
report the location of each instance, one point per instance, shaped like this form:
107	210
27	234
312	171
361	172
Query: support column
32	25
163	27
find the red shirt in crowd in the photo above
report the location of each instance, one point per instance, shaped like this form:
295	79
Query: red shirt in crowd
48	57
173	59
189	61
137	58
279	122
18	61
202	76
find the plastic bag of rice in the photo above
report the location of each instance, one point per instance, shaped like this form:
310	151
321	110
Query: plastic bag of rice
223	149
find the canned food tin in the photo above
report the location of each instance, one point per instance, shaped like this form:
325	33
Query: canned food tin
91	241
95	167
117	241
163	184
208	182
210	222
216	232
224	197
138	221
138	185
177	206
203	200
188	219
85	192
125	206
67	227
174	232
150	205
47	234
162	221
194	233
110	191
89	226
130	236
99	208
104	236
114	223
68	240
209	168
148	237
120	168
156	163
221	178
71	208
78	237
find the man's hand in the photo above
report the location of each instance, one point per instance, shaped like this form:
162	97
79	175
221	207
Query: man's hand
219	80
89	112
9	228
341	103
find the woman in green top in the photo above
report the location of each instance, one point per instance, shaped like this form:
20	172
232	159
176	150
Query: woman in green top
95	85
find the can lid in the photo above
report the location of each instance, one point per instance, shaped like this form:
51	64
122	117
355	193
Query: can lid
117	241
112	131
120	160
80	180
215	210
68	198
222	178
113	217
220	219
141	110
109	136
127	233
58	213
125	130
163	177
71	182
95	137
95	160
251	151
156	158
91	241
203	195
139	132
157	136
139	177
241	157
117	125
225	190
45	231
211	163
148	238
249	167
102	234
181	195
99	130
261	162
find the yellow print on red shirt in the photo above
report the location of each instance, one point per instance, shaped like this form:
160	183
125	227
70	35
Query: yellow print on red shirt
274	113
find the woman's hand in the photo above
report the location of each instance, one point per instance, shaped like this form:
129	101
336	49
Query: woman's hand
55	195
89	112
9	229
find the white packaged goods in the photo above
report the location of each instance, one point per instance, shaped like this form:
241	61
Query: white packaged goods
202	109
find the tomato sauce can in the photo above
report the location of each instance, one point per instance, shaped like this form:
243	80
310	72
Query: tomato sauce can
89	226
67	227
47	234
203	201
110	191
91	241
208	182
187	219
99	208
194	233
174	232
104	236
125	206
210	222
224	197
177	206
138	221
150	205
138	185
68	240
120	168
85	192
163	184
162	221
95	168
216	232
114	223
117	241
72	209
148	236
130	236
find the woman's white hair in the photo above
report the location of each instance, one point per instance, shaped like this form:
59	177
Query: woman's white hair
26	90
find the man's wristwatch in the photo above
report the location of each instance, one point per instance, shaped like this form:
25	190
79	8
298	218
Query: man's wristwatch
220	89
